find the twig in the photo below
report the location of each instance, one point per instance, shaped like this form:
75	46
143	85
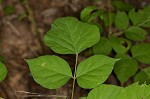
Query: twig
30	94
31	17
34	25
13	27
118	33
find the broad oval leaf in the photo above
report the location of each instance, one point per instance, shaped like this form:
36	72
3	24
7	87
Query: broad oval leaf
3	71
143	76
104	92
125	68
120	45
94	71
133	91
136	33
136	17
141	53
102	47
123	6
140	17
146	16
121	20
70	36
50	71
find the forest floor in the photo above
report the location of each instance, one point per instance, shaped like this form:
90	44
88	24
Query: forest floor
23	38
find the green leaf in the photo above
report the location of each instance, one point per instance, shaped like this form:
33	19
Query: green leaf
120	45
104	92
89	13
70	36
50	71
136	33
145	91
130	92
125	68
136	16
121	20
93	16
141	53
143	76
146	10
102	47
119	5
146	17
140	17
94	71
133	91
3	71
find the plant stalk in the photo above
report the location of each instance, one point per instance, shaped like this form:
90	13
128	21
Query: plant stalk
74	76
31	17
34	25
121	32
109	12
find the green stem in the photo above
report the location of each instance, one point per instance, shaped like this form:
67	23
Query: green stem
110	21
118	33
74	76
31	17
143	22
34	25
122	84
110	28
121	32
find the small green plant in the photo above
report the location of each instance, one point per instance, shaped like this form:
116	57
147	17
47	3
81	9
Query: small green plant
68	35
126	40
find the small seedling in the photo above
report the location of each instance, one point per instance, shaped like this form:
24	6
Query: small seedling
70	36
